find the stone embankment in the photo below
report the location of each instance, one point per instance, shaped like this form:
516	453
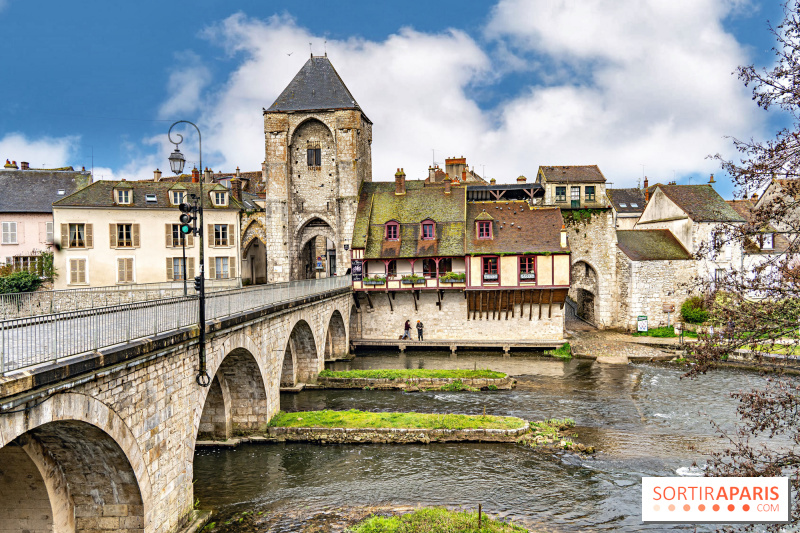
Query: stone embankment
417	384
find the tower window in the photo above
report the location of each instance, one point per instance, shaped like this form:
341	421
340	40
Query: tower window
314	155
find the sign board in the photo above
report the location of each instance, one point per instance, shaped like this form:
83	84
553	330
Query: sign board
669	308
641	323
319	265
357	269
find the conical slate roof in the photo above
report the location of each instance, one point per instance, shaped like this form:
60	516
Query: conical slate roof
316	86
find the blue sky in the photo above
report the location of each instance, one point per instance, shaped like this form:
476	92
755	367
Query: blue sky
510	85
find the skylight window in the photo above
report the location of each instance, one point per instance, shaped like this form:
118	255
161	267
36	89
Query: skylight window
623	205
634	205
61	192
150	198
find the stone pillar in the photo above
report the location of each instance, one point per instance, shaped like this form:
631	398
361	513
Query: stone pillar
278	207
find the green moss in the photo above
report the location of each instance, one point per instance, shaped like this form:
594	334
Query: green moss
410	373
430	520
564	351
363	419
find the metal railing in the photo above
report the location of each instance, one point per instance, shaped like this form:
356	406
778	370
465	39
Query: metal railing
25	304
35	340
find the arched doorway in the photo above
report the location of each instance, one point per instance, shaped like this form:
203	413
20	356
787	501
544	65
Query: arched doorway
254	263
300	360
317	252
66	476
236	402
584	290
335	337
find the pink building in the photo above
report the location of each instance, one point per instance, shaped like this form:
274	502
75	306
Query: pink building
26	208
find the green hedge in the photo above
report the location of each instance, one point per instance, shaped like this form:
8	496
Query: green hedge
693	310
22	281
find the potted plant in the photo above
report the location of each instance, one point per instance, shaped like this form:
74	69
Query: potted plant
411	279
453	277
374	280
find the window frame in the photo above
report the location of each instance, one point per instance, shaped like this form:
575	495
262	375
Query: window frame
428	224
481	225
529	262
85	261
395	228
390	267
221	229
217	270
177	273
589	196
314	155
120	232
562	197
174	193
220	195
82	234
486	262
12	234
133	270
49	234
128	196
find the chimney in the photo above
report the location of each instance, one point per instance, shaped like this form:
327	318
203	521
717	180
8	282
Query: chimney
463	176
447	184
238	174
521	179
195	175
400	182
754	197
208	175
23	165
645	182
563	236
156	175
8	164
492	181
431	174
646	196
264	171
712	179
236	188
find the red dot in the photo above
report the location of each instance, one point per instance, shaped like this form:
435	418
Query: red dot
687	507
701	507
731	507
746	507
716	507
671	507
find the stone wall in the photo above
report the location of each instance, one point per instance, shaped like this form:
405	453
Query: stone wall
415	384
450	322
24	503
393	435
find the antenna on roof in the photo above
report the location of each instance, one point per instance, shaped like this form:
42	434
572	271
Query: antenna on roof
310	50
326	47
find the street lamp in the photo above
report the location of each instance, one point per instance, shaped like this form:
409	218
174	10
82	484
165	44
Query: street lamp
176	162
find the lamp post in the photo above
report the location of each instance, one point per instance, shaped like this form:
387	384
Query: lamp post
176	163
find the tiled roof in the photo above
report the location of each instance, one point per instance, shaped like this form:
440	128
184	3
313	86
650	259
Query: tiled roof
316	86
779	242
378	204
34	191
101	194
701	202
249	201
626	200
540	228
651	245
572	174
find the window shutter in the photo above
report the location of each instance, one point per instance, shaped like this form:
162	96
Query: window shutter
81	270
190	267
73	270
317	157
212	271
64	235
112	235
210	237
231	238
170	274
232	267
168	235
190	240
120	270
88	238
135	235
310	157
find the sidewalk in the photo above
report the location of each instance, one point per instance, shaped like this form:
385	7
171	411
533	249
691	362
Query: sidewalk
592	343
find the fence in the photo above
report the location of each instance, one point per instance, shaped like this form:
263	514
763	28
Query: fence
34	340
25	304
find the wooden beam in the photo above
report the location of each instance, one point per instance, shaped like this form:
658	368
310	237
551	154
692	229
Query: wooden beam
539	304
513	301
389	298
414	297
439	299
494	305
530	305
508	297
469	301
550	305
355	300
369	300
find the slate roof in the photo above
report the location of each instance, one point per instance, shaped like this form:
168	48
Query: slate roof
572	174
34	191
651	245
541	228
701	202
249	201
101	194
378	204
623	200
317	86
779	242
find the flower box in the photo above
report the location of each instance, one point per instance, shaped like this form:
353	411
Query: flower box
374	282
527	275
490	277
451	277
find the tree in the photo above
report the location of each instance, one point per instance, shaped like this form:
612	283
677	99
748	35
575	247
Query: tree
759	308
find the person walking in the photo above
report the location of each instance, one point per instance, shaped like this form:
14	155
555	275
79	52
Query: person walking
407	328
419	330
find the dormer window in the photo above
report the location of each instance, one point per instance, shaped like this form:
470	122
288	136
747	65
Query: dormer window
220	198
124	196
484	229
766	241
150	198
428	230
62	192
392	231
177	197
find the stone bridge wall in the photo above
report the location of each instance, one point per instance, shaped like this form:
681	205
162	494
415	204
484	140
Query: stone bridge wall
120	440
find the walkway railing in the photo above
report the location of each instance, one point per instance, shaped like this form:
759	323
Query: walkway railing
30	341
24	304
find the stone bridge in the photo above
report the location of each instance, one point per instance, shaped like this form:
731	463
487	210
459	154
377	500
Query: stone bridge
105	441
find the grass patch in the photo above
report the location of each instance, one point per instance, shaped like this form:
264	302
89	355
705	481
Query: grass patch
364	419
564	351
436	519
662	332
550	434
389	373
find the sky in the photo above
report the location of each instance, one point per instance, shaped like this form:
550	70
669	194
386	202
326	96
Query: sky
638	87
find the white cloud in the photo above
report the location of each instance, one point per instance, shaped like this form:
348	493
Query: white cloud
42	152
185	86
619	84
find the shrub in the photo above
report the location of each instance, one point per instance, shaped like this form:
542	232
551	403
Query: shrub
693	310
22	281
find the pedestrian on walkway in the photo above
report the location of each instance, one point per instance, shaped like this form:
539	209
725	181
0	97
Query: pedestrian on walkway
419	330
407	328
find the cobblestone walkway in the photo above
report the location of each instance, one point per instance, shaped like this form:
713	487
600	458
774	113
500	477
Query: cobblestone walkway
613	346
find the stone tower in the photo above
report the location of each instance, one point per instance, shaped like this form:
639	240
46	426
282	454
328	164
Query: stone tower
318	152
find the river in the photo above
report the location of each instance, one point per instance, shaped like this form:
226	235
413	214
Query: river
642	419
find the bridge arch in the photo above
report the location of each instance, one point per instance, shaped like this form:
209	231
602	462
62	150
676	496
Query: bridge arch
237	401
585	289
77	463
301	361
336	338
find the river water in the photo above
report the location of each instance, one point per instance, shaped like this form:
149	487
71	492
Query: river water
641	419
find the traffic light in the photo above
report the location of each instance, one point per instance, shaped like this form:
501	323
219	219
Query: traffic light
187	220
198	284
